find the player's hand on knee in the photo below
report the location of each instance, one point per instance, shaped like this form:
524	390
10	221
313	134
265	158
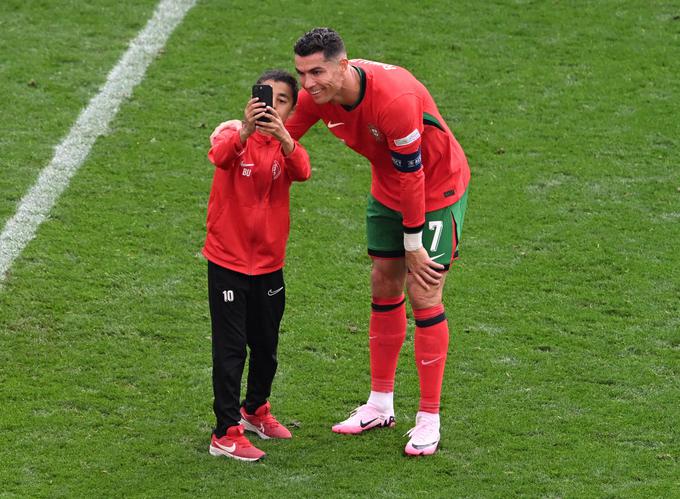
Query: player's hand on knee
424	270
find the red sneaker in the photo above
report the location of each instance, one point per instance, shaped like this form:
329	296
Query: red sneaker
263	423
235	444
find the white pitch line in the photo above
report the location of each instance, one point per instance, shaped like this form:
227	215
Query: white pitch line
93	121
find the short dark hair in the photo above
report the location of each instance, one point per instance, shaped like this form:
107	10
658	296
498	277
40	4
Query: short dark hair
282	76
323	40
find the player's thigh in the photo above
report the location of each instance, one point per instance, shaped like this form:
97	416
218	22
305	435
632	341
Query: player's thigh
388	276
425	298
385	240
384	231
439	236
442	232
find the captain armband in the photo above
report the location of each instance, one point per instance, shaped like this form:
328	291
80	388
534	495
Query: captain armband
407	163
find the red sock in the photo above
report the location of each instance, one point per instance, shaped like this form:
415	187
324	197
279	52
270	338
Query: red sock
431	346
386	333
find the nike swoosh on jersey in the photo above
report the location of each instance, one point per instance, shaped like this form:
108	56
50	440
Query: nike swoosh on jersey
273	292
435	257
428	362
333	125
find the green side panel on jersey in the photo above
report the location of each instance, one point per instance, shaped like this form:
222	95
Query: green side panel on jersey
428	119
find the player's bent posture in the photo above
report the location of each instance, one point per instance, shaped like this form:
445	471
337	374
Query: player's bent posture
248	225
414	216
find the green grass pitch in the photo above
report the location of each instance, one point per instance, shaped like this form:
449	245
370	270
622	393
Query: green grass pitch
563	377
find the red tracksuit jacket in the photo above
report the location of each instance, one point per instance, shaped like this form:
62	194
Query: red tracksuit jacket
249	207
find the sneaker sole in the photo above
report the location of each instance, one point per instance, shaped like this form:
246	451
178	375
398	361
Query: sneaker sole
410	451
214	451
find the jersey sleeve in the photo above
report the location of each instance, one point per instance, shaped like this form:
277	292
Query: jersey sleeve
304	117
402	123
298	167
226	146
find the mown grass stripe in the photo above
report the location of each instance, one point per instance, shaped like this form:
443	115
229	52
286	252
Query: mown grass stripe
93	121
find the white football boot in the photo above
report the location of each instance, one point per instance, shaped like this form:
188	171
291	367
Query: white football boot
424	435
364	418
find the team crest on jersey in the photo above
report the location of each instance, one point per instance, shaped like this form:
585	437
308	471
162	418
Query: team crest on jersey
377	134
276	170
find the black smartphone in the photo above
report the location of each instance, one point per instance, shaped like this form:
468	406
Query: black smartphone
265	93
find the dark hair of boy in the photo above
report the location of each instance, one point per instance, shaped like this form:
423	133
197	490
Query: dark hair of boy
282	76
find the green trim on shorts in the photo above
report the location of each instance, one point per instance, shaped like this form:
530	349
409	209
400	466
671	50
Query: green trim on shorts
385	231
458	209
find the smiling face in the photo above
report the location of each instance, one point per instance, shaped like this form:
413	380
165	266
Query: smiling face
283	98
322	78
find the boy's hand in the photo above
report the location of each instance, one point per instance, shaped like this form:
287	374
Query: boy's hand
254	110
276	129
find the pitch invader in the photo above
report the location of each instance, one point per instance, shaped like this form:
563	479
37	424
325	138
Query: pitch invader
414	216
256	161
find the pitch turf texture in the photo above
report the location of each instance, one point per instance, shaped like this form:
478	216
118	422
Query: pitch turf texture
564	366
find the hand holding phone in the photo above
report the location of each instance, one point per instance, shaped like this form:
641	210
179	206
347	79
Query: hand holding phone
264	93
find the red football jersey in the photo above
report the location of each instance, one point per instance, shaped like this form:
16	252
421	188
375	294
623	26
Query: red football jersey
394	118
249	207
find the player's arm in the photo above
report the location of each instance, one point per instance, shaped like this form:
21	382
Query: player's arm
403	127
295	157
304	116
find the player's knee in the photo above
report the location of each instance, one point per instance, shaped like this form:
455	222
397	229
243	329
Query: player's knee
421	297
386	282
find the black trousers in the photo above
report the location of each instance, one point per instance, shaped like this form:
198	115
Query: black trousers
245	311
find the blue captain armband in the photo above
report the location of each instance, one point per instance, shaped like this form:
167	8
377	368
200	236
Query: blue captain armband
407	163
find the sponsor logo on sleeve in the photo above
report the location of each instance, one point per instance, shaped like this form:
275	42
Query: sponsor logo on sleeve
409	139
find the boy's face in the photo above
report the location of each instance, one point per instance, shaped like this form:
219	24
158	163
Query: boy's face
283	98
